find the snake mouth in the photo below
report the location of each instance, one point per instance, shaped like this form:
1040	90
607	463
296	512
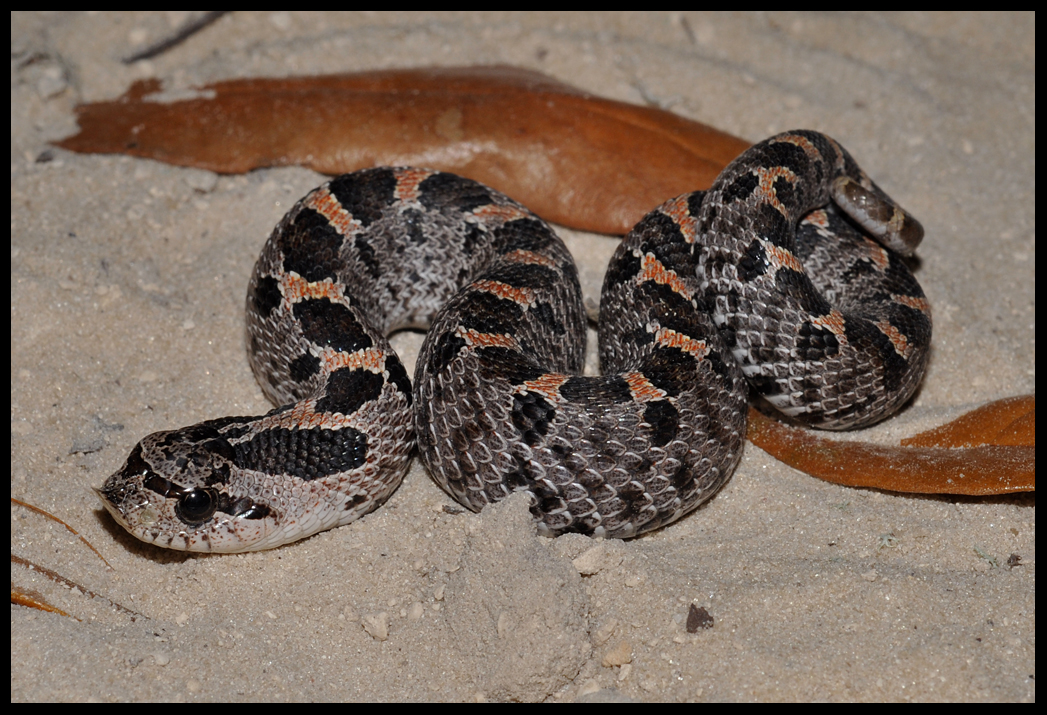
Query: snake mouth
110	506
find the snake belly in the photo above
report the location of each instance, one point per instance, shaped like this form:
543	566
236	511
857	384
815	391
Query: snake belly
708	293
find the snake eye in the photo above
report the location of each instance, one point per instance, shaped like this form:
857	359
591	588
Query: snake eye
197	506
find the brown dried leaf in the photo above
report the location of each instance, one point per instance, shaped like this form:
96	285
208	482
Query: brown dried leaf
575	159
1010	421
979	470
32	599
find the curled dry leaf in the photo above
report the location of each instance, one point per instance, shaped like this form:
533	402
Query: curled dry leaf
583	161
986	468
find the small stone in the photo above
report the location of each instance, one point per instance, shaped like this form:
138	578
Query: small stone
376	625
619	655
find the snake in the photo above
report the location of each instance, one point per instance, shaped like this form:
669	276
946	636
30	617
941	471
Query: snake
786	280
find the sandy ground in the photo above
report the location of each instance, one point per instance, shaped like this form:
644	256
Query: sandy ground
127	291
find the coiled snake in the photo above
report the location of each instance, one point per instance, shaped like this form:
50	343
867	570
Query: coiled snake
765	280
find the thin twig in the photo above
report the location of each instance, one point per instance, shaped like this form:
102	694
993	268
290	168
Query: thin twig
38	510
187	30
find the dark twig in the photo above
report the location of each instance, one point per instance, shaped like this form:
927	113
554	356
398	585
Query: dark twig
185	31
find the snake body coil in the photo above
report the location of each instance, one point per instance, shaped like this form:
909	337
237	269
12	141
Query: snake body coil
766	278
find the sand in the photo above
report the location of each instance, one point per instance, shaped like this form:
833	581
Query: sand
128	279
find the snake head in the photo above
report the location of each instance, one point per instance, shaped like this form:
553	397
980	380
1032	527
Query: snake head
178	489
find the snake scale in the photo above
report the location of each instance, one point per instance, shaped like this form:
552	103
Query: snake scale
785	278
